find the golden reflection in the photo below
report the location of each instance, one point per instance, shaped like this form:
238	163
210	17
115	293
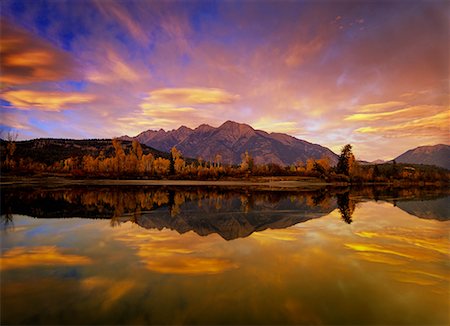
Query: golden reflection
308	268
24	257
411	237
376	249
111	290
168	253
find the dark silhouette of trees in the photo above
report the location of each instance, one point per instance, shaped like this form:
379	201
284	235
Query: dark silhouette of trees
346	206
346	160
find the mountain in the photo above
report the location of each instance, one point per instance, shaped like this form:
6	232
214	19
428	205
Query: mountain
438	155
231	140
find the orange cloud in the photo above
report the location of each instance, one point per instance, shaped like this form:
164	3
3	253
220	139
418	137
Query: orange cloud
267	124
191	96
375	116
432	126
22	257
377	107
398	114
44	101
25	58
301	52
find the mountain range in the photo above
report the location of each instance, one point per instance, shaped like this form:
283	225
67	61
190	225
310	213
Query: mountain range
231	140
438	155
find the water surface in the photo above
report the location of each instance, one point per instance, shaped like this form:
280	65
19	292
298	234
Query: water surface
147	255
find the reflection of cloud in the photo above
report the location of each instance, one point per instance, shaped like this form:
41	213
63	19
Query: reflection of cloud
23	257
112	290
184	264
26	58
44	101
377	249
191	96
168	253
431	243
276	235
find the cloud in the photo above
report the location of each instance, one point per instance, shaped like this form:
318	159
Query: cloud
26	58
404	113
269	125
113	69
377	107
435	126
44	101
191	96
22	257
301	52
375	116
117	12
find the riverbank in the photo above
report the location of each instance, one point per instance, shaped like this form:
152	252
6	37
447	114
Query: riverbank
266	183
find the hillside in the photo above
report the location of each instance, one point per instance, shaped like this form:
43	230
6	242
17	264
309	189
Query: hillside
51	150
438	155
231	140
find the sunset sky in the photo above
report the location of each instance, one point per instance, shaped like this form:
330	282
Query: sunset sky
370	73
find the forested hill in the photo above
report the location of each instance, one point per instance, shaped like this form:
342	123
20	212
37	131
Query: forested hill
51	150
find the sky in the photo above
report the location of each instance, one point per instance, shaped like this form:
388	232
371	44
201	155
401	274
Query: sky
371	73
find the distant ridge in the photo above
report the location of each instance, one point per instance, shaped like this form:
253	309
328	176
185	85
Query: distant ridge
438	155
231	140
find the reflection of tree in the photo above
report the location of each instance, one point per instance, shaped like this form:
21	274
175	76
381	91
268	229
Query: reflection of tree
130	203
346	206
6	217
6	221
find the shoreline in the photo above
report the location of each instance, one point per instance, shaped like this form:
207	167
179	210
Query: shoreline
269	183
275	182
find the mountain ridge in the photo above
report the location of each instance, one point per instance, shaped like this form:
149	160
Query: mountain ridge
438	155
231	140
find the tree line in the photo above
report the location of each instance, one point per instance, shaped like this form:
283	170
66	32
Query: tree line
133	163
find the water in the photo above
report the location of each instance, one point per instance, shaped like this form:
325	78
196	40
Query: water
160	255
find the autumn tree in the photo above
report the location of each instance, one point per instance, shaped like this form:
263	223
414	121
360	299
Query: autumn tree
119	157
10	149
177	161
346	160
247	162
161	166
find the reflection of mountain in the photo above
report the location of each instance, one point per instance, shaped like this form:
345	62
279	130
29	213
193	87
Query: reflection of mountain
231	213
232	222
437	209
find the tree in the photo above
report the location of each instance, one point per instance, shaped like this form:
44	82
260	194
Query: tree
346	160
10	149
247	162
